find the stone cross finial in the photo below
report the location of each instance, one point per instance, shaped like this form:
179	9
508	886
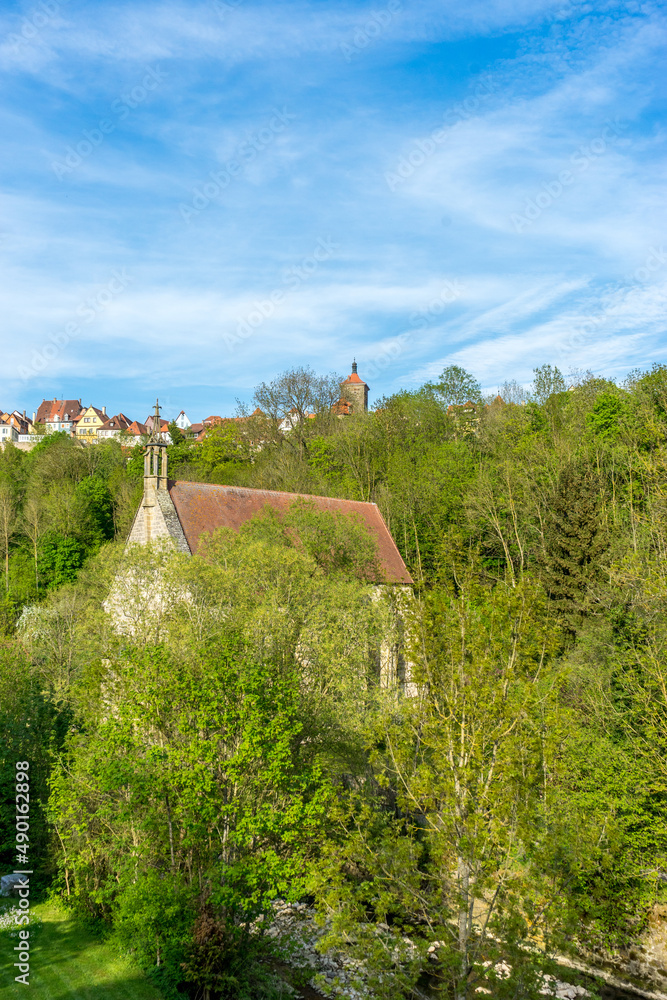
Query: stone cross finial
155	429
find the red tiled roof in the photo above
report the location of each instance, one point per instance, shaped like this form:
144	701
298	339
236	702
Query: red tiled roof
137	428
353	378
118	423
202	507
462	407
49	409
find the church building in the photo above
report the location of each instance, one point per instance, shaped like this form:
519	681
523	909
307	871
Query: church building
182	511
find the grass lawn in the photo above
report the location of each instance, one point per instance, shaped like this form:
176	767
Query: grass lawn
69	963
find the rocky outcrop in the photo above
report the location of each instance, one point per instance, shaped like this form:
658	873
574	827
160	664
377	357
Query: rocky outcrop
643	966
295	930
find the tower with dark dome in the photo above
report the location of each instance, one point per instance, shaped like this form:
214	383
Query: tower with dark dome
355	390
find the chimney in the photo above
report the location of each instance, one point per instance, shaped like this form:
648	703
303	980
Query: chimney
33	416
24	414
104	410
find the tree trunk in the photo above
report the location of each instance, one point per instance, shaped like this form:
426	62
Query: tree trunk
463	869
171	834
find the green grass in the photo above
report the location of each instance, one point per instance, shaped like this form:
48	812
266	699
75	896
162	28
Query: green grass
69	963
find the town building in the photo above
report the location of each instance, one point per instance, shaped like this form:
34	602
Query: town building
91	424
290	420
137	431
88	423
16	427
114	427
8	431
58	415
150	425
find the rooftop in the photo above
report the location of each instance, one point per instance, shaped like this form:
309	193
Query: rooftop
202	507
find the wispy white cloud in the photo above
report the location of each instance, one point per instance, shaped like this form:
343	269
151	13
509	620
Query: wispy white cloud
149	31
623	327
558	75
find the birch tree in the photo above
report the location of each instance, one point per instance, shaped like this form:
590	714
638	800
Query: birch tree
438	871
8	519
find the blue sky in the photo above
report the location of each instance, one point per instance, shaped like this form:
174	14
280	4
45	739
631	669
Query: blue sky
198	196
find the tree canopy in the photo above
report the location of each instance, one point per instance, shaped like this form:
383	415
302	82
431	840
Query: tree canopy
463	780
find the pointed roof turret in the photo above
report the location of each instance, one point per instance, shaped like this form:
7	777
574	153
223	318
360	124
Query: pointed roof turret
155	456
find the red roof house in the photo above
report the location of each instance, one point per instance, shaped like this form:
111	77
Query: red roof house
58	414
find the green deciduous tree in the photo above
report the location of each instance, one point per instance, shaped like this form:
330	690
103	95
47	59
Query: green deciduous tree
449	854
206	784
8	524
608	414
216	723
33	729
548	380
34	526
287	401
456	385
225	445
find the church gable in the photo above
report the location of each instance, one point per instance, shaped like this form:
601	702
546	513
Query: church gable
157	519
